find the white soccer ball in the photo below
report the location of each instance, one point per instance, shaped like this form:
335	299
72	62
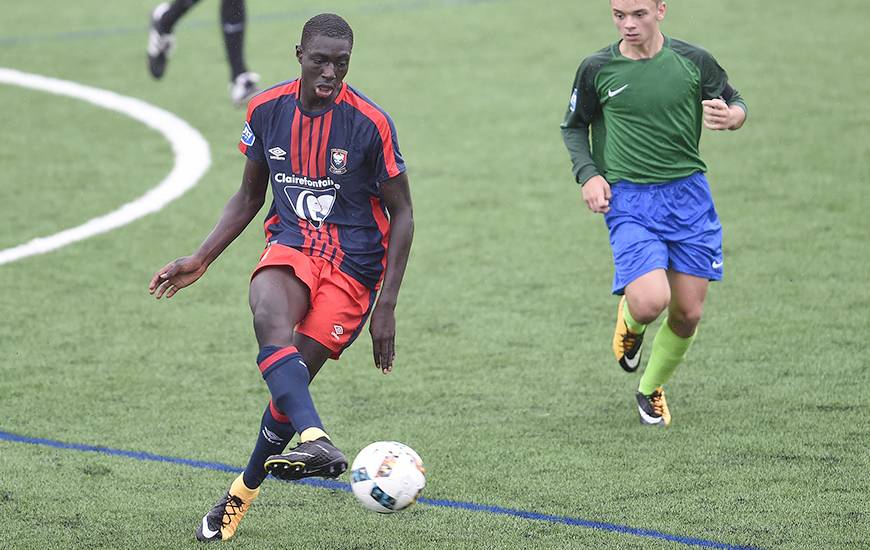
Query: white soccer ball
387	476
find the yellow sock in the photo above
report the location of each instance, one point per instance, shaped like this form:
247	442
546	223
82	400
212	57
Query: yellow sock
239	489
312	433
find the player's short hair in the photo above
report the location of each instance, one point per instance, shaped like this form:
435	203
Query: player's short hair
326	24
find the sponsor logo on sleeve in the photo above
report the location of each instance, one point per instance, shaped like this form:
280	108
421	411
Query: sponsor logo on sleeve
248	135
573	102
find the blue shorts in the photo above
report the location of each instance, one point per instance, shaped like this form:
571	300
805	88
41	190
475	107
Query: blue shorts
671	225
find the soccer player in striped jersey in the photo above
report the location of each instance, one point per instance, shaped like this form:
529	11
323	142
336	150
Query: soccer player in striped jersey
640	103
338	232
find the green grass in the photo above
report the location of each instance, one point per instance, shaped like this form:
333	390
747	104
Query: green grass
504	383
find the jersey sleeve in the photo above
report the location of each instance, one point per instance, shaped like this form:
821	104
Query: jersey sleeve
250	143
714	83
582	110
714	79
384	148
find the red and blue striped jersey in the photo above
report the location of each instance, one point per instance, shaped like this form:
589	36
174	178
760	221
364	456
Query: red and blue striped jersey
325	172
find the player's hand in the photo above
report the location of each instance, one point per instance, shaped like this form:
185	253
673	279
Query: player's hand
596	194
176	275
717	114
383	330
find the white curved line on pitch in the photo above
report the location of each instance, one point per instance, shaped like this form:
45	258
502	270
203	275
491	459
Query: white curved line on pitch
192	159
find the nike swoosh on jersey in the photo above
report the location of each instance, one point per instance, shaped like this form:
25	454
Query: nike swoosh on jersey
616	92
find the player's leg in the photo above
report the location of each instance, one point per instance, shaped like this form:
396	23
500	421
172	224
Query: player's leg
640	259
221	522
340	307
670	345
276	430
677	332
645	299
161	41
314	353
243	84
278	301
174	12
695	257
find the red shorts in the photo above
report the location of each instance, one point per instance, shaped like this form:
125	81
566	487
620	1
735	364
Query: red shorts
340	304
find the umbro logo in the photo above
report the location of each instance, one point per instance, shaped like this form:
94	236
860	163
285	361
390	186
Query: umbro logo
272	437
337	331
276	153
616	92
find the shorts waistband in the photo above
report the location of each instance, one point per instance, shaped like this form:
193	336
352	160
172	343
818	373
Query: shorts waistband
692	178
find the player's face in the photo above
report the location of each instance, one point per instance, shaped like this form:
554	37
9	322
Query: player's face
637	20
325	61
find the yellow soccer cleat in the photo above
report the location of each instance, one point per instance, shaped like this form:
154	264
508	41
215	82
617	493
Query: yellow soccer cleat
223	520
653	408
626	344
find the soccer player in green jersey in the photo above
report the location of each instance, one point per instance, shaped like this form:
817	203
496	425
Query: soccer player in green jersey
632	130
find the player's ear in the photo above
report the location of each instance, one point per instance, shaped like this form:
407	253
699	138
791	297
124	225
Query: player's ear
660	11
299	52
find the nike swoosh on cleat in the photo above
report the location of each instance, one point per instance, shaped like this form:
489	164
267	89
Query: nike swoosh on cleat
206	532
647	419
616	92
631	362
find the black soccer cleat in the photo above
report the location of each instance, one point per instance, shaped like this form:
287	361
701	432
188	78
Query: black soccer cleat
627	345
160	44
317	458
653	408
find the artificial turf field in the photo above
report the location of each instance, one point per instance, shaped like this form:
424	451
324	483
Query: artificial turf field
504	382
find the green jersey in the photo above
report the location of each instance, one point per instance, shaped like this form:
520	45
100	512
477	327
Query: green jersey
645	115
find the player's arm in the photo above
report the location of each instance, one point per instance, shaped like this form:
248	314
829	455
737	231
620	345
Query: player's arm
396	195
723	108
237	214
575	133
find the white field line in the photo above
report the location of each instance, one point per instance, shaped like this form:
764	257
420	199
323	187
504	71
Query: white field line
192	159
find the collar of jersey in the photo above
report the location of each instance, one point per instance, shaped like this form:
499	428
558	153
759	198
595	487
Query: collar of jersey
614	49
338	99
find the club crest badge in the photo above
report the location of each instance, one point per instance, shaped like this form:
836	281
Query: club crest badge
338	161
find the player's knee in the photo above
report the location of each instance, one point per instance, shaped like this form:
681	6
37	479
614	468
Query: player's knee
647	309
272	328
686	318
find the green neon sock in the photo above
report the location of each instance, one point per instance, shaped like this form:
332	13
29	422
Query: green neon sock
667	352
632	325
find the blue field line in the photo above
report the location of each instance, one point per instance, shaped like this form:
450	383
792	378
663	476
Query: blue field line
340	486
300	15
